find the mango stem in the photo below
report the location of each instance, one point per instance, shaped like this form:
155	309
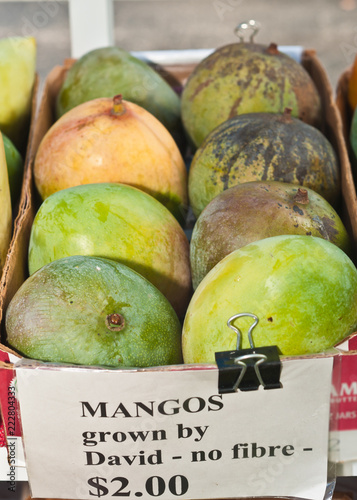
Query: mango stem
302	196
115	322
118	106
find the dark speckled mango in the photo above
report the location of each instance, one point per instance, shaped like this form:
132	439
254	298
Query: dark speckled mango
246	78
256	210
260	147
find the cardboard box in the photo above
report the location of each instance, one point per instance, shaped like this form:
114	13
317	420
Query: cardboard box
20	207
16	269
12	273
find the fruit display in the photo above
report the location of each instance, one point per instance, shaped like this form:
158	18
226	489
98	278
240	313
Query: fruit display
93	311
5	205
112	140
263	146
303	290
118	222
113	184
256	210
127	275
17	78
107	71
246	77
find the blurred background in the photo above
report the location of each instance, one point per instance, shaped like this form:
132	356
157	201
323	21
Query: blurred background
328	26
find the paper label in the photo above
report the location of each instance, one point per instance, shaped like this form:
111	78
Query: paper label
96	433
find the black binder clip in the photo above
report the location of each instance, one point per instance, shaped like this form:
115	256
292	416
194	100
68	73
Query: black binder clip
247	369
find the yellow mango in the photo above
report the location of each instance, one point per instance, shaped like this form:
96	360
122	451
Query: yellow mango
17	77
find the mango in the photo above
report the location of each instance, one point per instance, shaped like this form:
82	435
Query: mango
303	290
112	140
244	78
255	210
118	222
17	77
5	207
93	311
107	71
260	147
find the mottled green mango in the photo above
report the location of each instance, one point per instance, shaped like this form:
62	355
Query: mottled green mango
246	78
108	71
93	311
263	146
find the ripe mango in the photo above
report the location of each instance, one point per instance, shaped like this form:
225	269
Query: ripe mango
107	71
112	140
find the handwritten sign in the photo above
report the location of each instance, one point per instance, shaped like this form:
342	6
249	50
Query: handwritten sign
100	433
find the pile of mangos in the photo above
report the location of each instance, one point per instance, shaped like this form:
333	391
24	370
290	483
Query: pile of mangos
114	278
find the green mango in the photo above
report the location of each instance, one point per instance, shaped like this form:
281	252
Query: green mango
17	78
5	207
303	289
15	168
108	71
118	222
93	311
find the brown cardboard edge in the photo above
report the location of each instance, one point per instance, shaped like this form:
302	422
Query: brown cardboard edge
334	129
11	271
45	117
342	101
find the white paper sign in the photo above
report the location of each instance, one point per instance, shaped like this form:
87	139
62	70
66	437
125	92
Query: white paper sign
96	433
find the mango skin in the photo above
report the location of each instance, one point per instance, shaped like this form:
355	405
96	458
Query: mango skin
255	210
303	290
18	57
93	143
15	169
59	314
263	147
118	222
107	71
246	78
5	207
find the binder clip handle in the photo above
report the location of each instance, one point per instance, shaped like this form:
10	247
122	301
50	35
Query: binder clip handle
242	368
260	358
238	332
